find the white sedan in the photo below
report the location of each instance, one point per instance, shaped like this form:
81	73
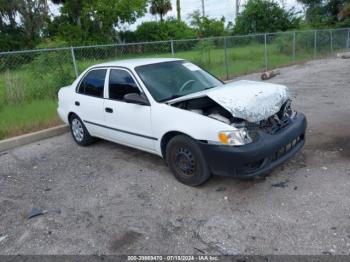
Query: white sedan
175	109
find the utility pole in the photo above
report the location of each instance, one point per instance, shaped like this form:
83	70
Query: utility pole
237	9
178	10
203	9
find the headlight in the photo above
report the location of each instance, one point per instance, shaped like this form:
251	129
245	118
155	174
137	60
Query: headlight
237	137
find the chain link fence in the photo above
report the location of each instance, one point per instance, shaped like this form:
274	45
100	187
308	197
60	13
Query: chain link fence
37	75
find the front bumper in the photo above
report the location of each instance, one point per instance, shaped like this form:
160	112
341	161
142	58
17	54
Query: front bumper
259	157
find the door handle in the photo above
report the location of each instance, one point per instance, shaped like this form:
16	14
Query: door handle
109	110
77	103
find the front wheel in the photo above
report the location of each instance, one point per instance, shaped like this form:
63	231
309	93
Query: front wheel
186	161
79	131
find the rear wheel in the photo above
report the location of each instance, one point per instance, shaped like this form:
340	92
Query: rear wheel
79	131
186	161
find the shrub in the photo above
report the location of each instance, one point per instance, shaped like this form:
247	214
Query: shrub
168	30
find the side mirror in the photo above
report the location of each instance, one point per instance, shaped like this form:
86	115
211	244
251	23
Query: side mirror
136	99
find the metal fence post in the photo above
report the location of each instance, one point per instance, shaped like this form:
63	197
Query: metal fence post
294	40
315	44
331	35
74	62
226	62
265	40
172	47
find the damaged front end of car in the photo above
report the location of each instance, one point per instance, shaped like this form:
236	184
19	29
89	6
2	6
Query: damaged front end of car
265	131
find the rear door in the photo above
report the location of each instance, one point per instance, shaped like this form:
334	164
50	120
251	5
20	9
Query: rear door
130	124
89	101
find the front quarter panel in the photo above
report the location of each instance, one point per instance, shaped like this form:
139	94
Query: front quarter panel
166	118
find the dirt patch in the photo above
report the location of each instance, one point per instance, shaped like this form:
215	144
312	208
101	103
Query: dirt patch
125	240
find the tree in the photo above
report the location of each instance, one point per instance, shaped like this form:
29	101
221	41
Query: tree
265	16
322	13
178	10
22	22
206	26
72	9
160	7
34	15
92	22
344	12
8	10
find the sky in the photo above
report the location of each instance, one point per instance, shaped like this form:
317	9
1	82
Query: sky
213	8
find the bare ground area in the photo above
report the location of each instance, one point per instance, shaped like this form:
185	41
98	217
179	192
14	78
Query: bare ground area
109	199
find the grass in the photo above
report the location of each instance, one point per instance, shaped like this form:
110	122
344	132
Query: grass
28	93
27	117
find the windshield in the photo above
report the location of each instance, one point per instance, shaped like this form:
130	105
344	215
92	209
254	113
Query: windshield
170	80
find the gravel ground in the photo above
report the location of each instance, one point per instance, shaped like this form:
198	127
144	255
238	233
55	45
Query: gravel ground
110	199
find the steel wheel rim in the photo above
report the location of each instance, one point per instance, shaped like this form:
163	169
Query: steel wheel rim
77	129
184	161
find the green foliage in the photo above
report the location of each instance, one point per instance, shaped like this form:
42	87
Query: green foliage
265	16
12	38
206	27
52	70
167	30
84	22
327	13
21	23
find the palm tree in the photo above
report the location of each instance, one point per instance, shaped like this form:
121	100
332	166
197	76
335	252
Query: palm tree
178	10
160	7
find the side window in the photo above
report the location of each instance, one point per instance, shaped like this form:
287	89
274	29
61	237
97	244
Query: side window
120	84
93	83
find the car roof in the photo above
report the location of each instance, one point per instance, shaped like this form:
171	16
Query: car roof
132	63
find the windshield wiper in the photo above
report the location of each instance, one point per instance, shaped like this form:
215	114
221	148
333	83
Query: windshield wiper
209	87
170	98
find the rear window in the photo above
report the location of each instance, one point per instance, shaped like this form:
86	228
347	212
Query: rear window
93	83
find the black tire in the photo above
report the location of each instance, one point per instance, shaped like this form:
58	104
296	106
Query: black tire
84	139
186	161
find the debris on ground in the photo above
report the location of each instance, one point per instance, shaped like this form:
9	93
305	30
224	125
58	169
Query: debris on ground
2	237
345	55
199	250
35	212
220	189
281	184
269	74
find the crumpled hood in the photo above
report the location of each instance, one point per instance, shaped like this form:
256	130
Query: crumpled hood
250	100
